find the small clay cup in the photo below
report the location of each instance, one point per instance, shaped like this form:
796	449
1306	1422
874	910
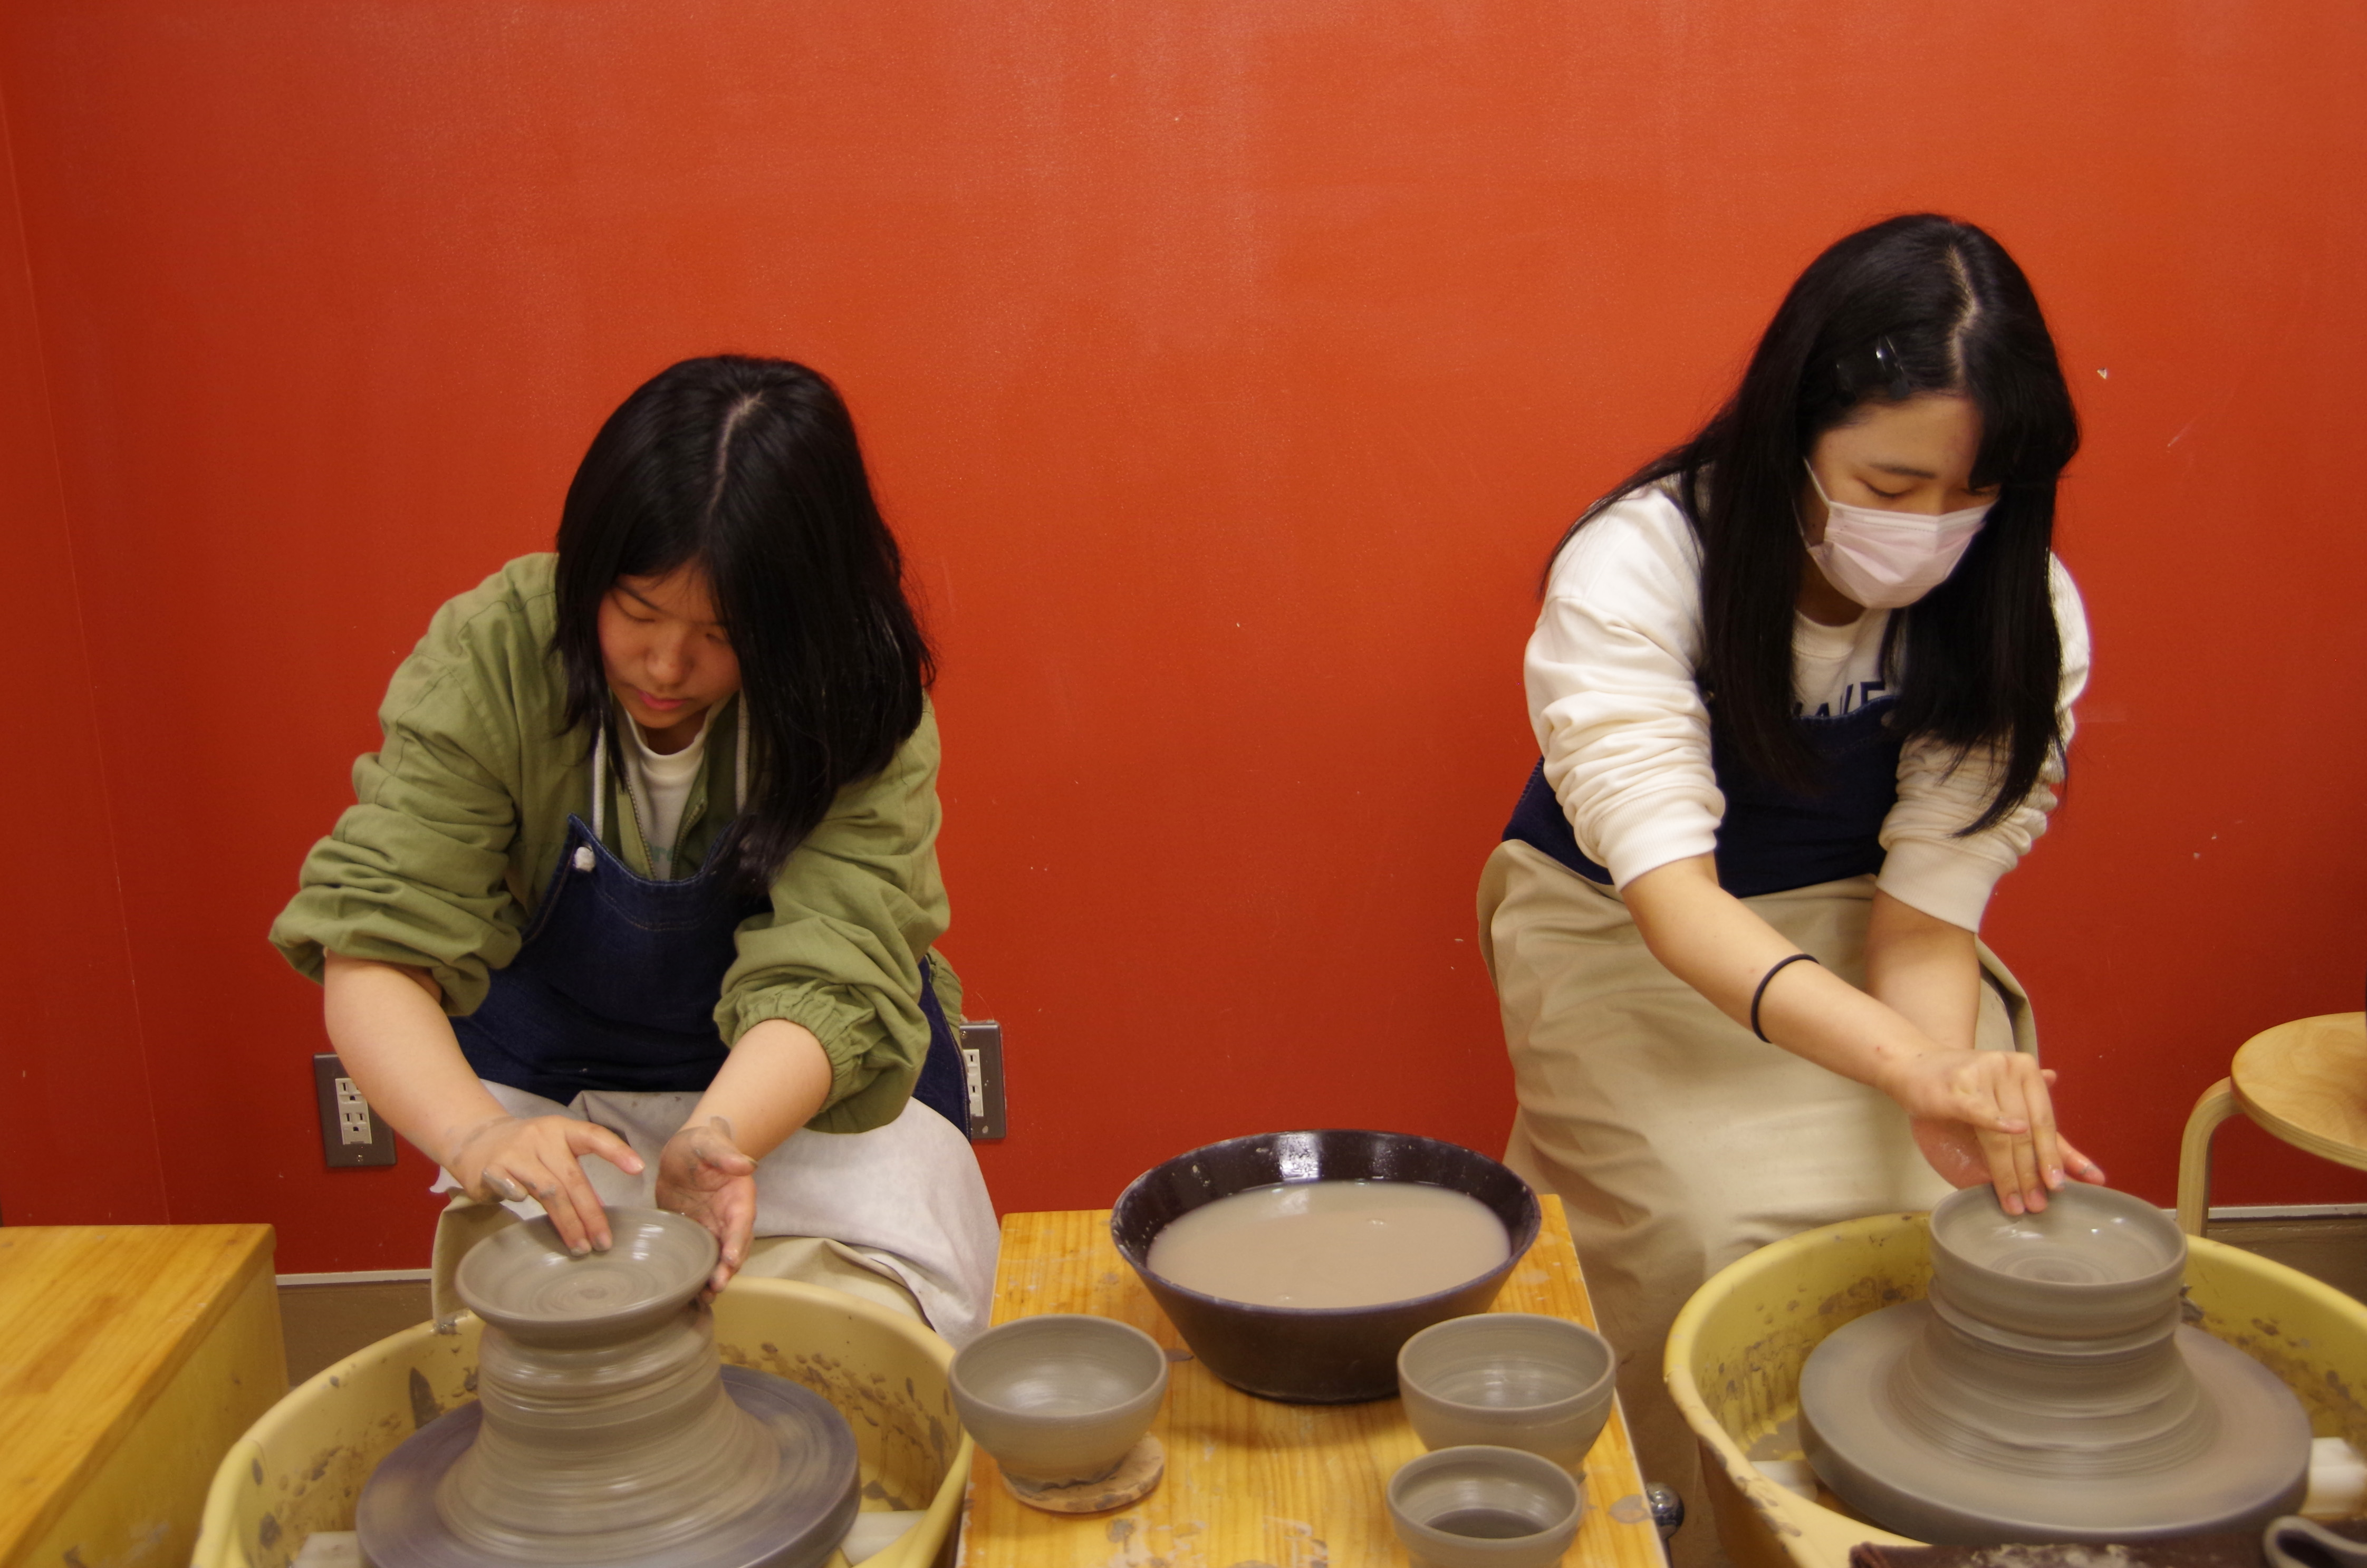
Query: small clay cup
2095	1265
1060	1398
1510	1380
1485	1507
1313	1355
524	1281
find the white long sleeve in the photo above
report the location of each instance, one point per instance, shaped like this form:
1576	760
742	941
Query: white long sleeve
1619	719
1626	737
1924	864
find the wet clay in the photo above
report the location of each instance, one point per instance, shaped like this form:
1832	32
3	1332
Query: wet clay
2046	1391
1137	1476
607	1429
1331	1244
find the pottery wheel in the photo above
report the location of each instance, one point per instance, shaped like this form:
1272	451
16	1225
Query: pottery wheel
797	1525
2253	1465
607	1430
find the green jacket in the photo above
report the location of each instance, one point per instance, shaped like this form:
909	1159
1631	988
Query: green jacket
461	812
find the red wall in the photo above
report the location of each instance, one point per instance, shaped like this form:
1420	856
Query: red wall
1228	371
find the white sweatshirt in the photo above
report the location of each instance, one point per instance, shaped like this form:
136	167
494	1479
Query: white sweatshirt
1625	735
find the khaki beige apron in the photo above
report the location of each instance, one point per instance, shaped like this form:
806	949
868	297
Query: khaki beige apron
1678	1140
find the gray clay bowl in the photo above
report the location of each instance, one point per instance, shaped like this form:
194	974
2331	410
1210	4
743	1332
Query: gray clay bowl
1061	1397
1485	1507
1510	1380
524	1281
2095	1264
1313	1355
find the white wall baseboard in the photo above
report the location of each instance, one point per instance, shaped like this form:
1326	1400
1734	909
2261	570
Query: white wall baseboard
2287	1212
359	1277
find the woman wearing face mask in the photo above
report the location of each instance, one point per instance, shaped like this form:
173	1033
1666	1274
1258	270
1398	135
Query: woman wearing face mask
638	899
1802	687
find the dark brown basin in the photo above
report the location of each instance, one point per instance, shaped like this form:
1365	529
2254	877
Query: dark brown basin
1313	1355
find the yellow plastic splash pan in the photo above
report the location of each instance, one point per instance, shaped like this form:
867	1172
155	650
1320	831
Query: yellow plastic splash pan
300	1468
1735	1355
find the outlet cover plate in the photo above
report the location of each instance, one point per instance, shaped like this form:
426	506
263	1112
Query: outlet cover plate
981	1048
351	1134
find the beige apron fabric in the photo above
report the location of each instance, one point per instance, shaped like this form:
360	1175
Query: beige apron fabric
1677	1141
905	1203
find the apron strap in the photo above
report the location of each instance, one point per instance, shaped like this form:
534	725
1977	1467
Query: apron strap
600	771
599	778
739	759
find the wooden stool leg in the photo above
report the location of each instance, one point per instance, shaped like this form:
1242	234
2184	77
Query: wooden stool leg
2217	1104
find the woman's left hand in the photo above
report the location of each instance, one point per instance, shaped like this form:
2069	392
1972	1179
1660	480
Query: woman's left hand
703	1175
1967	1154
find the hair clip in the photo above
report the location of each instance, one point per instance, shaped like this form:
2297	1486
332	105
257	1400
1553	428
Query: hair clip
1888	364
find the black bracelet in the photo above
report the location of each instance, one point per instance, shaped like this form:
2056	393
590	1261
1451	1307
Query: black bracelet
1760	994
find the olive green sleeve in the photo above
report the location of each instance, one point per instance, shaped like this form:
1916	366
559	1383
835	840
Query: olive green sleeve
415	871
854	913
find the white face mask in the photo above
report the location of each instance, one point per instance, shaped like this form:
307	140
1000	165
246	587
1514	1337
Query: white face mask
1889	560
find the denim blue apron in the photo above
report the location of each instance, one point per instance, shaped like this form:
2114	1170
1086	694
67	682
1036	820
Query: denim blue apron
1772	839
617	982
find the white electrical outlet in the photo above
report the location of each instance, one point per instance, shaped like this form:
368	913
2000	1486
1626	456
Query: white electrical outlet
353	1114
350	1134
981	1054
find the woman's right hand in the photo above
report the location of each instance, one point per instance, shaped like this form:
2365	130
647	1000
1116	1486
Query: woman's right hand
515	1159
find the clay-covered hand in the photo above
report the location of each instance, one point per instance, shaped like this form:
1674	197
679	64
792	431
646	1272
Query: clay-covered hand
540	1157
1988	1115
703	1175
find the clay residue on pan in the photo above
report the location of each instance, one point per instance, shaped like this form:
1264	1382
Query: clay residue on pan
424	1406
910	1440
2334	1406
2050	1557
317	1490
1755	1389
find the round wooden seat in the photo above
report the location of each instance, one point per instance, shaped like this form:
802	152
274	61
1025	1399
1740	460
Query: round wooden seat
2305	1081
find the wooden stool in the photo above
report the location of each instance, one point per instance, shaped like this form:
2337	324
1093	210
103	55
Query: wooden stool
2305	1081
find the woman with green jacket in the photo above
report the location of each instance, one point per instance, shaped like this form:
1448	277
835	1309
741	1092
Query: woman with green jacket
645	868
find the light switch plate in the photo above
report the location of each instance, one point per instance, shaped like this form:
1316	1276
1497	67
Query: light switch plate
981	1050
351	1134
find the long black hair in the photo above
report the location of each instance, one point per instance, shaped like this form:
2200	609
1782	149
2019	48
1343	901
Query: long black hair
1916	304
749	469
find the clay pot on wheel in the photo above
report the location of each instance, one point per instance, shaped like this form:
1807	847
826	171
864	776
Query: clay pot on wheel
2046	1391
607	1429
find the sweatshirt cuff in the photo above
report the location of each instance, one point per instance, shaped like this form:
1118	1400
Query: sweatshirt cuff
831	1022
1943	881
1643	836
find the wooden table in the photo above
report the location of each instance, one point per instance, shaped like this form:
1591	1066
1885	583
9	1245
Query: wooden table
1252	1483
2305	1081
131	1356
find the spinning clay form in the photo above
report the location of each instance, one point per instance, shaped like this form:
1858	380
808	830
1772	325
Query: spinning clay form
2046	1391
607	1432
